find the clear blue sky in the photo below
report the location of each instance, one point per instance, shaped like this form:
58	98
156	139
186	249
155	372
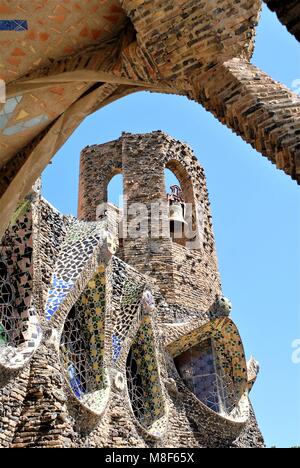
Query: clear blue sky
256	220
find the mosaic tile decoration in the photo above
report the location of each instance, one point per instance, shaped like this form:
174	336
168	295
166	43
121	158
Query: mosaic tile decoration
19	326
8	110
81	242
143	379
13	25
225	364
20	114
83	346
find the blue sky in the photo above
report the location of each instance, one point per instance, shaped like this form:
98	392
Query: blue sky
256	220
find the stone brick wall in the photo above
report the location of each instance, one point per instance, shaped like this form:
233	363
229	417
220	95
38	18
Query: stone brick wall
180	272
95	175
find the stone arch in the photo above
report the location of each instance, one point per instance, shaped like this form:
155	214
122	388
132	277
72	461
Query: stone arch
145	391
231	370
181	160
116	183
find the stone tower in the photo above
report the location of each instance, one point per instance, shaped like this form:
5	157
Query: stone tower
121	337
185	268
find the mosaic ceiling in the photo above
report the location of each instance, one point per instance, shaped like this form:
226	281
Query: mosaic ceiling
44	32
53	29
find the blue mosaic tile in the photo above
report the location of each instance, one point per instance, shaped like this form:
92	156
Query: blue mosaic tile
117	347
57	294
75	382
13	25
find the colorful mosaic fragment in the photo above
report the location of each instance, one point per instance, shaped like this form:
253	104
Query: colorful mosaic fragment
13	25
116	347
20	332
81	242
129	315
25	125
8	110
212	363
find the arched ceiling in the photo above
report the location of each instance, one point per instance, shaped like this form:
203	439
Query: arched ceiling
64	59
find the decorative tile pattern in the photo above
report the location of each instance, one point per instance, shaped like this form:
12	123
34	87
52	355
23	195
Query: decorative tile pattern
8	110
201	372
25	125
56	29
116	347
83	345
143	379
128	316
13	25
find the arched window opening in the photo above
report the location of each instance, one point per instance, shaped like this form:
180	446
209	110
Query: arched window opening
180	216
135	387
143	382
20	332
76	352
115	192
82	345
171	179
205	376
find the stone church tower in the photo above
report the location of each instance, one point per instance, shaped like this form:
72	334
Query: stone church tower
114	331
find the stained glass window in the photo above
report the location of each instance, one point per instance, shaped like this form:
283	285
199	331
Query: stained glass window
144	387
82	344
203	375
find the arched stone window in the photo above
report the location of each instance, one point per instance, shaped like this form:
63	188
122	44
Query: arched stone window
115	190
110	207
7	294
212	364
204	376
176	208
143	382
182	203
83	345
